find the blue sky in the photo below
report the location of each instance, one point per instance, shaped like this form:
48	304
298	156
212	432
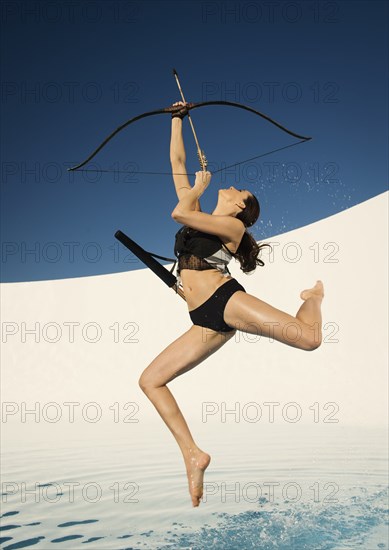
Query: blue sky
72	72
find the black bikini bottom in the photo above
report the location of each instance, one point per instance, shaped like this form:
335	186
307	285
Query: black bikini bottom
211	313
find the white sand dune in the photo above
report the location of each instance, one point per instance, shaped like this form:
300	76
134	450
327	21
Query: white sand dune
348	251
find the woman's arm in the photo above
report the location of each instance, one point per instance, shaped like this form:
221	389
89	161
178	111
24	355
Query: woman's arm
187	202
226	227
178	160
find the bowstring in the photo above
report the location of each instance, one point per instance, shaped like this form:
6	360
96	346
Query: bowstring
150	173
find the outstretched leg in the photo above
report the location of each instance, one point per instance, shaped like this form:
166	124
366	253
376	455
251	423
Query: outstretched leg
180	356
249	314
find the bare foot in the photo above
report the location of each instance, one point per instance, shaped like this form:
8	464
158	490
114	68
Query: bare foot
315	292
195	468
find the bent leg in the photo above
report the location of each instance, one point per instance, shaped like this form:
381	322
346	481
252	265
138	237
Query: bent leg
250	314
180	356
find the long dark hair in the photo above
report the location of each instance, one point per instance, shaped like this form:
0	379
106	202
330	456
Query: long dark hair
248	249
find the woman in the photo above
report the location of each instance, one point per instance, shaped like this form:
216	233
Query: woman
218	305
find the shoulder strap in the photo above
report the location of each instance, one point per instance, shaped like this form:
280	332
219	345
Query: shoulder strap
226	247
163	258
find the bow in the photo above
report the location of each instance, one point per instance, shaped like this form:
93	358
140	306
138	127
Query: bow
190	106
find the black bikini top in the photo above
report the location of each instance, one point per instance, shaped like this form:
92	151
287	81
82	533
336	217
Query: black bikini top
200	244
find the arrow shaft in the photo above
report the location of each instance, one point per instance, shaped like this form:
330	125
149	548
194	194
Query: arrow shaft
199	151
